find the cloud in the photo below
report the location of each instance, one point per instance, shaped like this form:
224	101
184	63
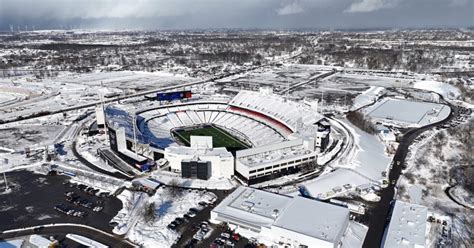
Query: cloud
458	3
291	9
371	5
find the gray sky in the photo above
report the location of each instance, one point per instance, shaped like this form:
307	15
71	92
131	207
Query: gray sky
179	14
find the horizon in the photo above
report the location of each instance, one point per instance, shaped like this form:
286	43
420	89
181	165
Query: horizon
233	14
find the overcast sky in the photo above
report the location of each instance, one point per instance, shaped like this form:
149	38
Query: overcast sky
262	14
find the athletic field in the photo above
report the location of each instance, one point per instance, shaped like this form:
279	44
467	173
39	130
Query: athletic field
220	137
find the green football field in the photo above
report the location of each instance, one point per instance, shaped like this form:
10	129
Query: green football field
220	138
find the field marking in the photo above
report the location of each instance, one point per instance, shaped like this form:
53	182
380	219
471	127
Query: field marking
231	137
177	133
217	134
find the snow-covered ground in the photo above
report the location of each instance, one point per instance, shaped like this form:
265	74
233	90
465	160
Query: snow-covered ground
69	89
446	90
168	205
432	166
360	167
168	178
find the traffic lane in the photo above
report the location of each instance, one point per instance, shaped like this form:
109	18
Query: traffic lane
34	196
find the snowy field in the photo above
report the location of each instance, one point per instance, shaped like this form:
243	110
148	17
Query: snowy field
400	112
277	77
70	89
32	136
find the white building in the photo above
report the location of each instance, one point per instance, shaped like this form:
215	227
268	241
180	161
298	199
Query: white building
260	163
284	220
407	226
222	161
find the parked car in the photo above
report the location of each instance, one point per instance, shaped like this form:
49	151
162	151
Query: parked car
179	220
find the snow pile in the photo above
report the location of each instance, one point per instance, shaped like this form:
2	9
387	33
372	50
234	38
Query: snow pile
444	89
132	207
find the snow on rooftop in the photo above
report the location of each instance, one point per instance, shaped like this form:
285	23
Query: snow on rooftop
259	208
39	241
403	112
314	218
184	150
15	243
256	207
407	226
367	97
273	152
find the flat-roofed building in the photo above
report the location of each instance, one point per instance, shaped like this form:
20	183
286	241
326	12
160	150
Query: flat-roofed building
407	226
291	221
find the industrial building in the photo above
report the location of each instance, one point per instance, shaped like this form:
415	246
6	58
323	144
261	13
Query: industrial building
407	226
290	221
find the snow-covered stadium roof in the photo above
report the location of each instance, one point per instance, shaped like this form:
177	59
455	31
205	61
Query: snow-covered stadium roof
407	226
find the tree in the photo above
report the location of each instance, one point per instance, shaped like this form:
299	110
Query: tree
174	188
149	213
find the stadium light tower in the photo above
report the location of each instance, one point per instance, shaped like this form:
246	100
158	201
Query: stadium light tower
135	134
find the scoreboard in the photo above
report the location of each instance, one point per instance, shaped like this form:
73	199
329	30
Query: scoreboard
172	96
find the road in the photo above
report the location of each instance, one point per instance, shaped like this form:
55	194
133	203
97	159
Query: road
379	215
297	85
142	93
63	229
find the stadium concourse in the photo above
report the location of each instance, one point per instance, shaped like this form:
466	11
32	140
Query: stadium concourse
256	136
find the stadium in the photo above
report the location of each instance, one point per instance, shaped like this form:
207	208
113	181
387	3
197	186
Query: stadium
252	137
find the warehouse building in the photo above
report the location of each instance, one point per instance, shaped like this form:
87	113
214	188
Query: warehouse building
407	226
288	221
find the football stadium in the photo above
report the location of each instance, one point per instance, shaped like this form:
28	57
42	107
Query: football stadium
252	137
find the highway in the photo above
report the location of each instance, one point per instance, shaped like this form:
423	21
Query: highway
379	215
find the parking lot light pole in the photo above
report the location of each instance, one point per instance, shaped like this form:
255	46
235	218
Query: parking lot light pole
6	184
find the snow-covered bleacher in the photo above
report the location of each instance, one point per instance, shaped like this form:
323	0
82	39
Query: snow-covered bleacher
159	123
285	111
